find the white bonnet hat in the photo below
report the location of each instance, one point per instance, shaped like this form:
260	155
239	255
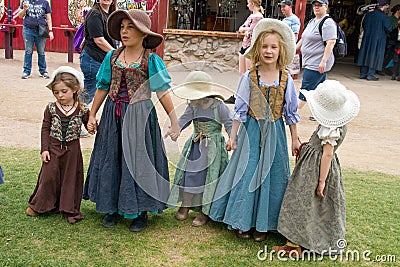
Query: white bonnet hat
331	104
280	27
197	85
67	69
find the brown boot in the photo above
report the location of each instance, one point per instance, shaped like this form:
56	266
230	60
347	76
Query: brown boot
183	212
31	212
200	220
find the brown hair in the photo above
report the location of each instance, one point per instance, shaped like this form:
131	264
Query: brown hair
258	3
201	101
255	56
96	6
70	81
395	9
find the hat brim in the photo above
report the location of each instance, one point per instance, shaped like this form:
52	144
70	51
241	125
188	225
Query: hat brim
152	39
66	69
280	27
331	119
188	90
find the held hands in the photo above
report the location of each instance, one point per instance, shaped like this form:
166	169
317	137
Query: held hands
320	189
173	131
296	146
92	125
45	156
231	144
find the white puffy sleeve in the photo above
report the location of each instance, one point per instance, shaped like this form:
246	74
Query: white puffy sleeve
328	135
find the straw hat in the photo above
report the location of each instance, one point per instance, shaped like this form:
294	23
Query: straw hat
66	69
331	104
197	85
280	27
141	21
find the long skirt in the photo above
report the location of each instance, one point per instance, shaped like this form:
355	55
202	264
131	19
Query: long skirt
250	191
128	170
60	182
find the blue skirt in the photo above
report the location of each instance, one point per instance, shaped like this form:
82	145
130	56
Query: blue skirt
250	191
115	182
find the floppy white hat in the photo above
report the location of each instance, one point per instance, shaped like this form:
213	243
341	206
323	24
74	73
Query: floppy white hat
67	69
280	27
197	85
331	104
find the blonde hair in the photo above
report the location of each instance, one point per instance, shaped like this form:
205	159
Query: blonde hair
255	56
258	4
71	82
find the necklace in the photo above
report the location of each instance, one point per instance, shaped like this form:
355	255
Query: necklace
128	64
67	110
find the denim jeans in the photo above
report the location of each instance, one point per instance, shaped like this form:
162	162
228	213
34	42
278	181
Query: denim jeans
311	79
31	38
367	72
89	67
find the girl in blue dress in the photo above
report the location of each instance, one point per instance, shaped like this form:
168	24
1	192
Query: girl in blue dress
128	170
250	191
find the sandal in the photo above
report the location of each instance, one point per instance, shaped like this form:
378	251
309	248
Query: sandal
242	235
259	236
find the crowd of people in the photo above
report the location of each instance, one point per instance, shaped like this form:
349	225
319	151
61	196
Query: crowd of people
253	191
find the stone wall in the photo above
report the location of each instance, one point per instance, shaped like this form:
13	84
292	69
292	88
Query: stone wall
218	49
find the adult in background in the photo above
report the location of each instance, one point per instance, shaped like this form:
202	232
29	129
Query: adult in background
316	49
97	43
294	24
396	37
290	19
391	39
247	29
35	13
376	25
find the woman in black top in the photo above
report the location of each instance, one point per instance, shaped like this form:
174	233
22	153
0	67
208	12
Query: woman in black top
97	44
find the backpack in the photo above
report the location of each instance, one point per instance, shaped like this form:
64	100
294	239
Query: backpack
79	38
340	48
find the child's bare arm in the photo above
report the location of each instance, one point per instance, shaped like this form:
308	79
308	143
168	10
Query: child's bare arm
231	143
166	102
97	101
324	167
295	139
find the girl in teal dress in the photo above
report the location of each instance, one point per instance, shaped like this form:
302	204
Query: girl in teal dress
128	170
204	157
250	191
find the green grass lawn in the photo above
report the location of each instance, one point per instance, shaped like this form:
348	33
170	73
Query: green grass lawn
373	223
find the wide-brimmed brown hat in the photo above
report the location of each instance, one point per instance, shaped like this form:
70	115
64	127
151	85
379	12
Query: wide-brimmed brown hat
142	23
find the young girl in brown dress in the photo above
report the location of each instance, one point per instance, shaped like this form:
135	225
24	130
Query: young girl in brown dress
60	184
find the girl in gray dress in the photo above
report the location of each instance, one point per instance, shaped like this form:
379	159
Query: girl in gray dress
313	211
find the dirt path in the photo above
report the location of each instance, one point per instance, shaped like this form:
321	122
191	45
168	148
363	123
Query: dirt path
372	142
